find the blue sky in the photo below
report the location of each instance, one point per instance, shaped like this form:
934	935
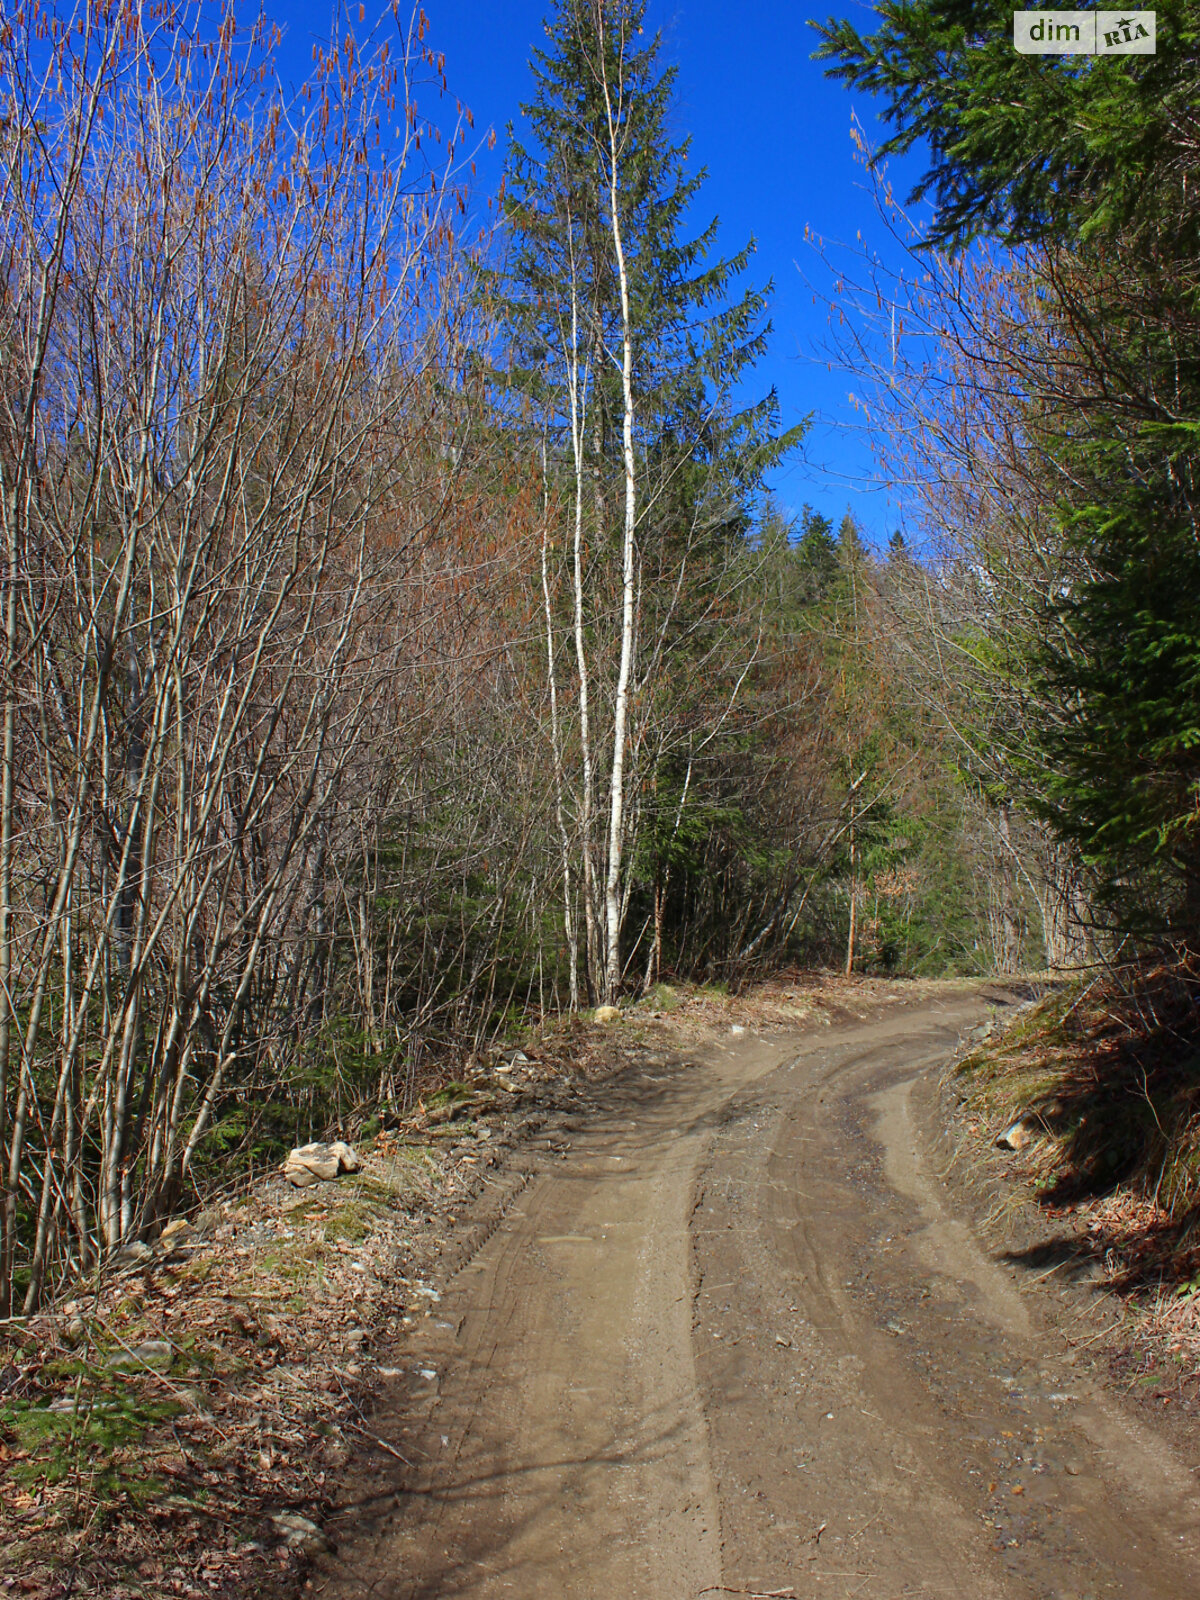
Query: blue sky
774	134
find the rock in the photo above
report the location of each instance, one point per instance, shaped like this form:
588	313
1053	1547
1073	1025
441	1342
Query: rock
175	1236
736	1027
134	1253
356	1339
155	1354
299	1175
1017	1135
517	1058
300	1534
312	1162
606	1014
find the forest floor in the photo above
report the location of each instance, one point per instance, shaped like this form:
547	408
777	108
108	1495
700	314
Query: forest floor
718	1300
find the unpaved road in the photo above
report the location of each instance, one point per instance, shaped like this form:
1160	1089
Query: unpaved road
734	1341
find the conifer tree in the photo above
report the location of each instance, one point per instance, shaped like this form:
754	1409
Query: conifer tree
1094	162
625	343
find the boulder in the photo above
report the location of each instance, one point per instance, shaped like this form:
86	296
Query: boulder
313	1163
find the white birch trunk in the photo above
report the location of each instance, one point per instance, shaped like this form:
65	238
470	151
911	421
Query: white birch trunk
613	897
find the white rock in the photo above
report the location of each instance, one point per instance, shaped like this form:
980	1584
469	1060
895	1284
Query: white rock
300	1534
1017	1135
310	1162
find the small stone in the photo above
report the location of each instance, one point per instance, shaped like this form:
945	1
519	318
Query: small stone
155	1354
320	1161
300	1534
1016	1136
736	1027
356	1338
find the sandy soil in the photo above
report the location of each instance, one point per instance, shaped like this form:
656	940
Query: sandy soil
732	1338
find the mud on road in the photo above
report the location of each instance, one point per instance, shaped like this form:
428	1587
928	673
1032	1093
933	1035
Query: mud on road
734	1340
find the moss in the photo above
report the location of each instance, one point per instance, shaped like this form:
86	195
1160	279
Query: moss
350	1224
661	998
451	1094
96	1435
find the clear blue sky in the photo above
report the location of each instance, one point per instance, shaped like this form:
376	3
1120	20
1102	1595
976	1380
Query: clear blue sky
774	134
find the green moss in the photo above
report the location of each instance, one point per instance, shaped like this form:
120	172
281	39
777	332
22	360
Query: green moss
350	1224
451	1094
96	1437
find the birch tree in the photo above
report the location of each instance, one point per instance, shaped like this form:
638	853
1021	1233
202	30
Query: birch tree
625	344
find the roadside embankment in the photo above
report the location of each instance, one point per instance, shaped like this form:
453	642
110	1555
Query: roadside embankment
1073	1136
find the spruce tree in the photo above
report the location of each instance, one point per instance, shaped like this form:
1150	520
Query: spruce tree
625	341
1092	163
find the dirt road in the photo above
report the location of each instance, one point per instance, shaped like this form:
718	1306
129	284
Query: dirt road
733	1341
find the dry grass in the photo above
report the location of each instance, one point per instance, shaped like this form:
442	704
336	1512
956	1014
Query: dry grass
1105	1073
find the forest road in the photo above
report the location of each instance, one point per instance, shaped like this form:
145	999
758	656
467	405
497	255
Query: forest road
735	1341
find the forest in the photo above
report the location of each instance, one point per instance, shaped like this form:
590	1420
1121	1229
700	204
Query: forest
401	642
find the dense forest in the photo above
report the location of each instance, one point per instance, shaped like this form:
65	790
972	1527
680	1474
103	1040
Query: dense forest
400	642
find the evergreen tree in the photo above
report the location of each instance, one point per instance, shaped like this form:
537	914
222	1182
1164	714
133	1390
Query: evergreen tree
626	342
1093	162
816	550
1028	146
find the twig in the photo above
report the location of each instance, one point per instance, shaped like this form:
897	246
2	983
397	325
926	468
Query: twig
1082	1344
359	1426
375	1439
755	1594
